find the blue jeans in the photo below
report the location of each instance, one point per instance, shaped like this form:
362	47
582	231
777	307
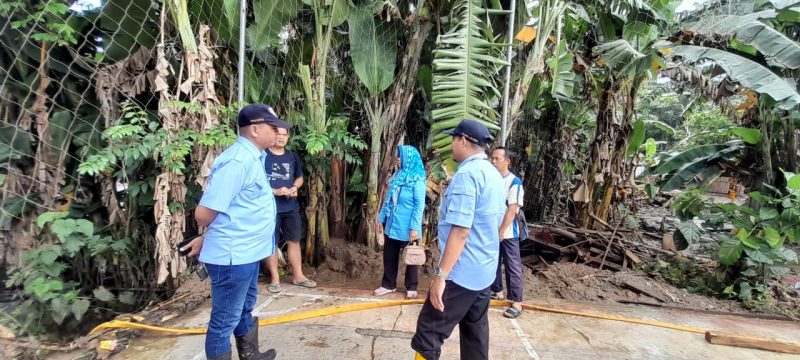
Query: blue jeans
233	295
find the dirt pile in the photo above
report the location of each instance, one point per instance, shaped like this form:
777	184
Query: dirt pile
577	282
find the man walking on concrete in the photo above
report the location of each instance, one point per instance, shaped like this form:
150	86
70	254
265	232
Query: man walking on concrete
469	219
285	173
509	235
239	210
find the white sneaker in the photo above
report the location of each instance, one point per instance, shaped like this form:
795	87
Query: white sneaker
383	291
411	294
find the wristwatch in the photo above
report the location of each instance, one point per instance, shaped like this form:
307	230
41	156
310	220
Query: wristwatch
438	273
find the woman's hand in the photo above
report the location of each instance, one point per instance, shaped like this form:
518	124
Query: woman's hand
413	235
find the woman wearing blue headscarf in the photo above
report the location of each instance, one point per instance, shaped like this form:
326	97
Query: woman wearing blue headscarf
401	218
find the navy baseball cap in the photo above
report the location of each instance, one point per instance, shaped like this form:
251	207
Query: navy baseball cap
260	114
473	131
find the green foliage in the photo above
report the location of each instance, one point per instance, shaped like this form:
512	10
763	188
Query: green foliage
690	204
57	296
138	137
755	249
47	21
373	49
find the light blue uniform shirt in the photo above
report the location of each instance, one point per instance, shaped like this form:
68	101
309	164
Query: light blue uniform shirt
475	199
403	212
238	188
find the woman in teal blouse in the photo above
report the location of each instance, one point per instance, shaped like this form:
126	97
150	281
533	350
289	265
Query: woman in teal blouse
401	219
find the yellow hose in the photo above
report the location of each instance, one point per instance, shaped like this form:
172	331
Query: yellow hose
116	324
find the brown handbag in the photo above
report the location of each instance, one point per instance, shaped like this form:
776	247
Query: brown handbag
414	254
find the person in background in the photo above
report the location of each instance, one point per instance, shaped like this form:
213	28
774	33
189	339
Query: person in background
285	172
238	209
469	219
401	219
509	236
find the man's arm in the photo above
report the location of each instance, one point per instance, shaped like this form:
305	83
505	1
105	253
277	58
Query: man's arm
204	216
511	212
455	245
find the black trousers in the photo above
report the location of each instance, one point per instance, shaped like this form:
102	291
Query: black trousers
467	308
392	249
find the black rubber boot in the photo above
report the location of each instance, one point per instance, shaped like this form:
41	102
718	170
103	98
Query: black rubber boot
247	345
226	356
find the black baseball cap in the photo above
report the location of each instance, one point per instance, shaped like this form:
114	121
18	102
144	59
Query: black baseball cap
260	114
473	131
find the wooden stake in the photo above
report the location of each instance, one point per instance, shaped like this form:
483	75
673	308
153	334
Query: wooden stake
753	342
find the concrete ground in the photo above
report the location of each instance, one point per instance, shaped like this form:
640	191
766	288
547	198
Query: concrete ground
386	333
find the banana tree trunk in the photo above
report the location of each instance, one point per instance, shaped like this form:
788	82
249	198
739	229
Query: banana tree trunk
317	240
338	206
378	123
607	172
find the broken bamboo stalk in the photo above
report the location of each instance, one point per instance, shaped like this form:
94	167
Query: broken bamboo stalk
710	312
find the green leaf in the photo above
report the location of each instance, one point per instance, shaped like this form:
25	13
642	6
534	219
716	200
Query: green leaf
639	33
749	73
373	50
773	237
687	233
767	214
270	17
745	291
793	182
102	294
778	48
59	309
651	190
127	298
49	217
637	137
48	257
786	254
749	135
778	270
758	256
79	308
730	251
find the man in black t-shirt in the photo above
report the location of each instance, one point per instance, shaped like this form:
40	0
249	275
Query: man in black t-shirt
285	173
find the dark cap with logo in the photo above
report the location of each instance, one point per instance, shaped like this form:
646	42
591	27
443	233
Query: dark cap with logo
473	131
260	114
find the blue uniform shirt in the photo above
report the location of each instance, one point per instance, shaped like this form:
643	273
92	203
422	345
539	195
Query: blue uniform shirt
238	188
475	199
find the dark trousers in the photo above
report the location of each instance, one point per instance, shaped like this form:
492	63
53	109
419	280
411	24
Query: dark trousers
392	249
511	260
233	295
467	308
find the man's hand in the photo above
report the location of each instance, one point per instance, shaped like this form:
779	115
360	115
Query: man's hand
379	228
285	191
501	235
195	245
413	235
293	191
436	292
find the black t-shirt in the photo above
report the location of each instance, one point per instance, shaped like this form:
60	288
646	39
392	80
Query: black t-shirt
283	170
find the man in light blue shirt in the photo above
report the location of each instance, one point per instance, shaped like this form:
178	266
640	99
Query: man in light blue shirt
238	208
469	219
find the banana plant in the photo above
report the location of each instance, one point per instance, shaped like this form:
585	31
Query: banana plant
461	84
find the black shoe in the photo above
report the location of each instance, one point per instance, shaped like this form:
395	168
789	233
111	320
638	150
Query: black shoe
247	345
226	356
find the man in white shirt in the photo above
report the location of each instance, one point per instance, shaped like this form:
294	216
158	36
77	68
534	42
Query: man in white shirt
509	235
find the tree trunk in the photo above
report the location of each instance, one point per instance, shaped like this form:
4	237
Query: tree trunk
372	182
338	206
790	146
606	172
317	240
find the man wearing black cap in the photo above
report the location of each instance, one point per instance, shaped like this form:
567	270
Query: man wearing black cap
238	208
469	219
